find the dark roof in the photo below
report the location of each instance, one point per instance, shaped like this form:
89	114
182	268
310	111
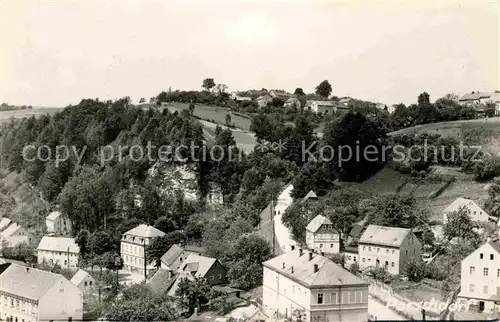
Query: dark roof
161	281
172	254
356	231
10	261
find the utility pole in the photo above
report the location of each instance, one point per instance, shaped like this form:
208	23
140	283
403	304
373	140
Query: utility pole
272	221
145	261
68	258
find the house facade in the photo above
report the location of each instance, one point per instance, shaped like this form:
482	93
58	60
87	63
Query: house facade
58	224
321	107
388	247
313	285
293	102
132	246
29	294
475	98
84	281
476	213
321	236
263	100
13	235
62	251
480	277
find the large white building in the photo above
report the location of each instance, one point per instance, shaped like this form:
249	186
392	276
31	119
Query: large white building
313	285
388	247
29	294
321	236
476	213
58	224
58	250
480	277
133	244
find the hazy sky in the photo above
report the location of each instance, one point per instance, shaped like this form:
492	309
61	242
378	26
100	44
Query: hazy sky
54	53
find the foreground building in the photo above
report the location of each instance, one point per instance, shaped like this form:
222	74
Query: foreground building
58	224
480	277
133	244
313	285
29	294
62	251
321	236
476	213
388	247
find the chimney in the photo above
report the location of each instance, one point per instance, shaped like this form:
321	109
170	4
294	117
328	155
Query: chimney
301	251
310	255
196	311
293	247
27	269
316	268
283	264
323	254
292	269
170	274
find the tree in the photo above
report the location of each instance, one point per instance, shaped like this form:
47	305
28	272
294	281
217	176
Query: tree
142	100
101	242
354	268
194	293
396	211
316	176
82	239
415	270
191	107
299	91
165	224
221	88
459	224
208	84
428	237
228	119
324	89
338	259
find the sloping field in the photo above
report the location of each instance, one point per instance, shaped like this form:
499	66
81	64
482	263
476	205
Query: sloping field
385	181
5	116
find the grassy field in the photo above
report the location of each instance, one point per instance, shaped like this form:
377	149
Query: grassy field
383	182
5	116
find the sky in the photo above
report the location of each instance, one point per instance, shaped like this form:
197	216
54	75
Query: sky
55	53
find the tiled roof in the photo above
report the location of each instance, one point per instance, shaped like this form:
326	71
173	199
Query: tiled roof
4	223
161	281
145	231
329	274
196	263
26	282
458	203
380	235
58	244
172	254
7	260
79	277
495	245
316	223
54	215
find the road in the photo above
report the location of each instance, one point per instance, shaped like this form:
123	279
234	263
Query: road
381	312
282	233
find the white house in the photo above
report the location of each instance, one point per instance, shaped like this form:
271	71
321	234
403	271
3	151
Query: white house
29	294
263	100
321	236
323	107
480	277
388	247
313	285
14	235
133	244
293	102
84	281
475	98
58	224
476	213
58	250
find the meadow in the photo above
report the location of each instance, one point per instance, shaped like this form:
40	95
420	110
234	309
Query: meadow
5	116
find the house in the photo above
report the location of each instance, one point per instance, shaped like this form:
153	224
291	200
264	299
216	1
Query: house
351	255
280	94
495	99
474	98
200	266
62	251
14	235
176	254
321	107
321	236
162	281
4	223
388	247
314	285
311	196
476	213
30	294
133	244
263	100
480	277
293	102
58	224
355	233
84	281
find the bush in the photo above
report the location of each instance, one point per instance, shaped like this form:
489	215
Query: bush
380	274
415	270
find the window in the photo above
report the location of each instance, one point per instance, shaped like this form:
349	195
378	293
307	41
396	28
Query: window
386	263
352	298
393	251
354	257
481	256
485	271
320	298
333	298
378	249
345	297
387	250
498	272
212	278
471	287
407	252
472	270
320	245
85	283
364	247
364	259
485	289
491	256
331	245
65	262
90	283
392	264
369	249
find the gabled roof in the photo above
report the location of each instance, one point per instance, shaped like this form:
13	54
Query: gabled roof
26	282
145	231
387	236
174	252
495	245
54	215
196	263
316	223
161	281
474	96
10	230
58	244
4	223
310	195
458	203
356	230
80	276
329	274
